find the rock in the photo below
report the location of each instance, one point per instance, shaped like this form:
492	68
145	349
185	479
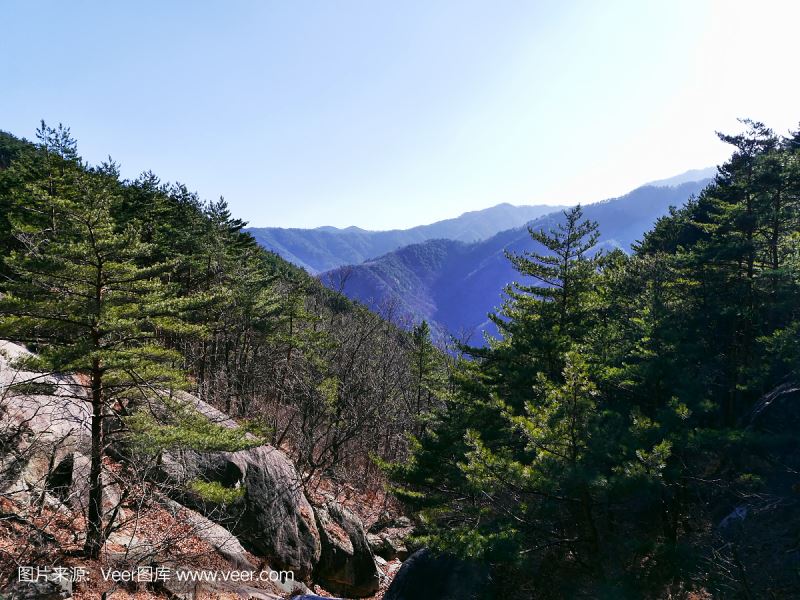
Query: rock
45	439
389	544
387	521
403	521
269	589
394	545
273	519
78	488
185	589
428	576
45	435
346	565
228	545
135	550
59	414
278	521
388	534
46	589
219	538
43	419
387	537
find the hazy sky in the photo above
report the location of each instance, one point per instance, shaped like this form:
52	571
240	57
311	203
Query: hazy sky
390	114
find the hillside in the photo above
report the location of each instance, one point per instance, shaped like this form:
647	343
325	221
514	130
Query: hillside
454	285
633	431
326	248
139	304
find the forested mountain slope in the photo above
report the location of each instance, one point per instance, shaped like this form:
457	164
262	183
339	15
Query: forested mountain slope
454	285
326	248
261	336
633	433
122	296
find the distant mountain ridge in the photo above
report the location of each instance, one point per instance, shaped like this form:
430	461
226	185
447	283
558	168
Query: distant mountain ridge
687	177
326	247
454	285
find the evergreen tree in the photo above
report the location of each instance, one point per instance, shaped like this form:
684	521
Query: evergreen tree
548	495
427	373
551	310
562	276
509	452
586	451
80	298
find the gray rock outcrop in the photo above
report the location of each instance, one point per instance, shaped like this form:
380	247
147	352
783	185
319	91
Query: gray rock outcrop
346	566
273	519
43	420
44	448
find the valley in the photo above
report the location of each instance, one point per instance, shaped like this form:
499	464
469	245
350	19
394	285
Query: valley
454	285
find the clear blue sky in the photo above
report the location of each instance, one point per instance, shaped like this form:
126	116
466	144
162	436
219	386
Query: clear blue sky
390	114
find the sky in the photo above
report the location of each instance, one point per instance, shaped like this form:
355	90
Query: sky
387	114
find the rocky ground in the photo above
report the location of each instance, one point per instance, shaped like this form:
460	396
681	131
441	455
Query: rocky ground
318	532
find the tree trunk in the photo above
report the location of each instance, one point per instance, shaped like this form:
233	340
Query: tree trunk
594	536
94	517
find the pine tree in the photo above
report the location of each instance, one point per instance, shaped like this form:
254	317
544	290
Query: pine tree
562	274
480	506
427	373
550	486
550	311
79	296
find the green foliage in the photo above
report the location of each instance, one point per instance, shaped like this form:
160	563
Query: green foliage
177	425
140	289
213	491
84	291
78	289
104	281
589	451
429	377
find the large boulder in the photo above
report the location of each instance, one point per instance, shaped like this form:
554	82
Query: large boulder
219	538
346	566
273	519
387	537
43	420
429	576
45	440
389	545
278	521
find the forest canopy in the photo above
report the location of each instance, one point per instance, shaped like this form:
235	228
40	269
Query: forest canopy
142	290
634	431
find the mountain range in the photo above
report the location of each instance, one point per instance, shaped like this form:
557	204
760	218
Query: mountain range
326	248
686	177
454	284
